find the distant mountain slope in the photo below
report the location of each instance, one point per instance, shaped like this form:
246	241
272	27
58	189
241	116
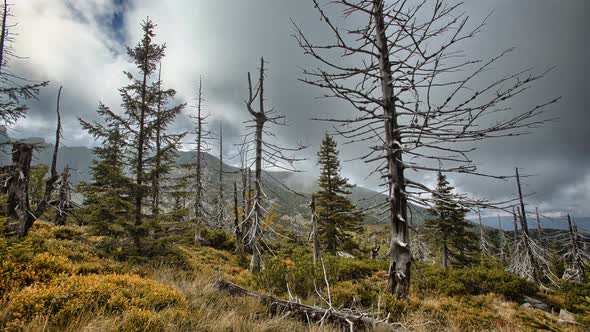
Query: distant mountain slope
290	203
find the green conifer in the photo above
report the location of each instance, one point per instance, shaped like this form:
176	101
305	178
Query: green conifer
448	230
338	217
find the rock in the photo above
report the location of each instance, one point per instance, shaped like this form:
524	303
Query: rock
536	303
567	316
344	255
526	305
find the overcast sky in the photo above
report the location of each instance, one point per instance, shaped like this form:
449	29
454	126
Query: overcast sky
80	44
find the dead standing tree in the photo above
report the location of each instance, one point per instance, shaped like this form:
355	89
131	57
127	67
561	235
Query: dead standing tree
64	202
53	175
219	202
20	218
314	231
575	254
14	90
273	156
529	258
202	136
393	71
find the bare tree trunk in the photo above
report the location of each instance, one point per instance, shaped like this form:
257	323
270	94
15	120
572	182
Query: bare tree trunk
158	157
139	190
375	250
578	263
539	227
4	34
53	177
19	219
237	230
64	198
445	256
399	269
314	231
502	240
525	232
514	221
221	203
255	263
199	184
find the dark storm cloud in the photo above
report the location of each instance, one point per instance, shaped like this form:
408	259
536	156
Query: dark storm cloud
223	40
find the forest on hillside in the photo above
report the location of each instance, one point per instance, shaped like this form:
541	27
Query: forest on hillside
159	237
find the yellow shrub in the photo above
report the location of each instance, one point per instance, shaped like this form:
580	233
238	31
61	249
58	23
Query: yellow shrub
140	320
66	298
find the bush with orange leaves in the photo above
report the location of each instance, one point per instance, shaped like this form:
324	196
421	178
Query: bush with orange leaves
66	298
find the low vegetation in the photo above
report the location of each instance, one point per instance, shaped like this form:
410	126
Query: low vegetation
60	279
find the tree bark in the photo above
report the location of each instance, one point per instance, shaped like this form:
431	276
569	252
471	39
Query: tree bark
345	320
53	176
221	215
64	198
237	230
525	232
255	263
199	185
20	218
445	256
314	231
140	147
578	263
399	269
158	156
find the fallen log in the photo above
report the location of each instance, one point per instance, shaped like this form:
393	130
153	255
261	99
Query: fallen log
347	320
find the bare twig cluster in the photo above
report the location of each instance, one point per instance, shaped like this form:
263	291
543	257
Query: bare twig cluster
417	99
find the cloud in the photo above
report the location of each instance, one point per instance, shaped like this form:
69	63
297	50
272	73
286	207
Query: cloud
80	44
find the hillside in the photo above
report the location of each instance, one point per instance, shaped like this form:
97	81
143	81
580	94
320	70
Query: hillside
62	279
79	160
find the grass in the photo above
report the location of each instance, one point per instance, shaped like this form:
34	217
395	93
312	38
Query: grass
57	280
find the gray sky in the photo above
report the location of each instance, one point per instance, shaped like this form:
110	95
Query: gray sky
80	44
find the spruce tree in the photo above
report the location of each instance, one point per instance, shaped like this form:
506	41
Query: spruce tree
338	218
107	199
140	100
448	230
166	145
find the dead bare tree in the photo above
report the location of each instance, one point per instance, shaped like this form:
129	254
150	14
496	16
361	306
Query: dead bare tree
375	250
201	140
526	239
401	72
20	218
237	230
484	244
575	253
502	244
314	231
53	175
220	206
273	155
64	202
14	89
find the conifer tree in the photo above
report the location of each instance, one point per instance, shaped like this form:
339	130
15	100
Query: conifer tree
142	124
338	217
448	229
166	144
138	101
14	90
107	204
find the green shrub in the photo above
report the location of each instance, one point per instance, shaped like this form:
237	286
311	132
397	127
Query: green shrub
474	280
218	239
576	298
351	294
